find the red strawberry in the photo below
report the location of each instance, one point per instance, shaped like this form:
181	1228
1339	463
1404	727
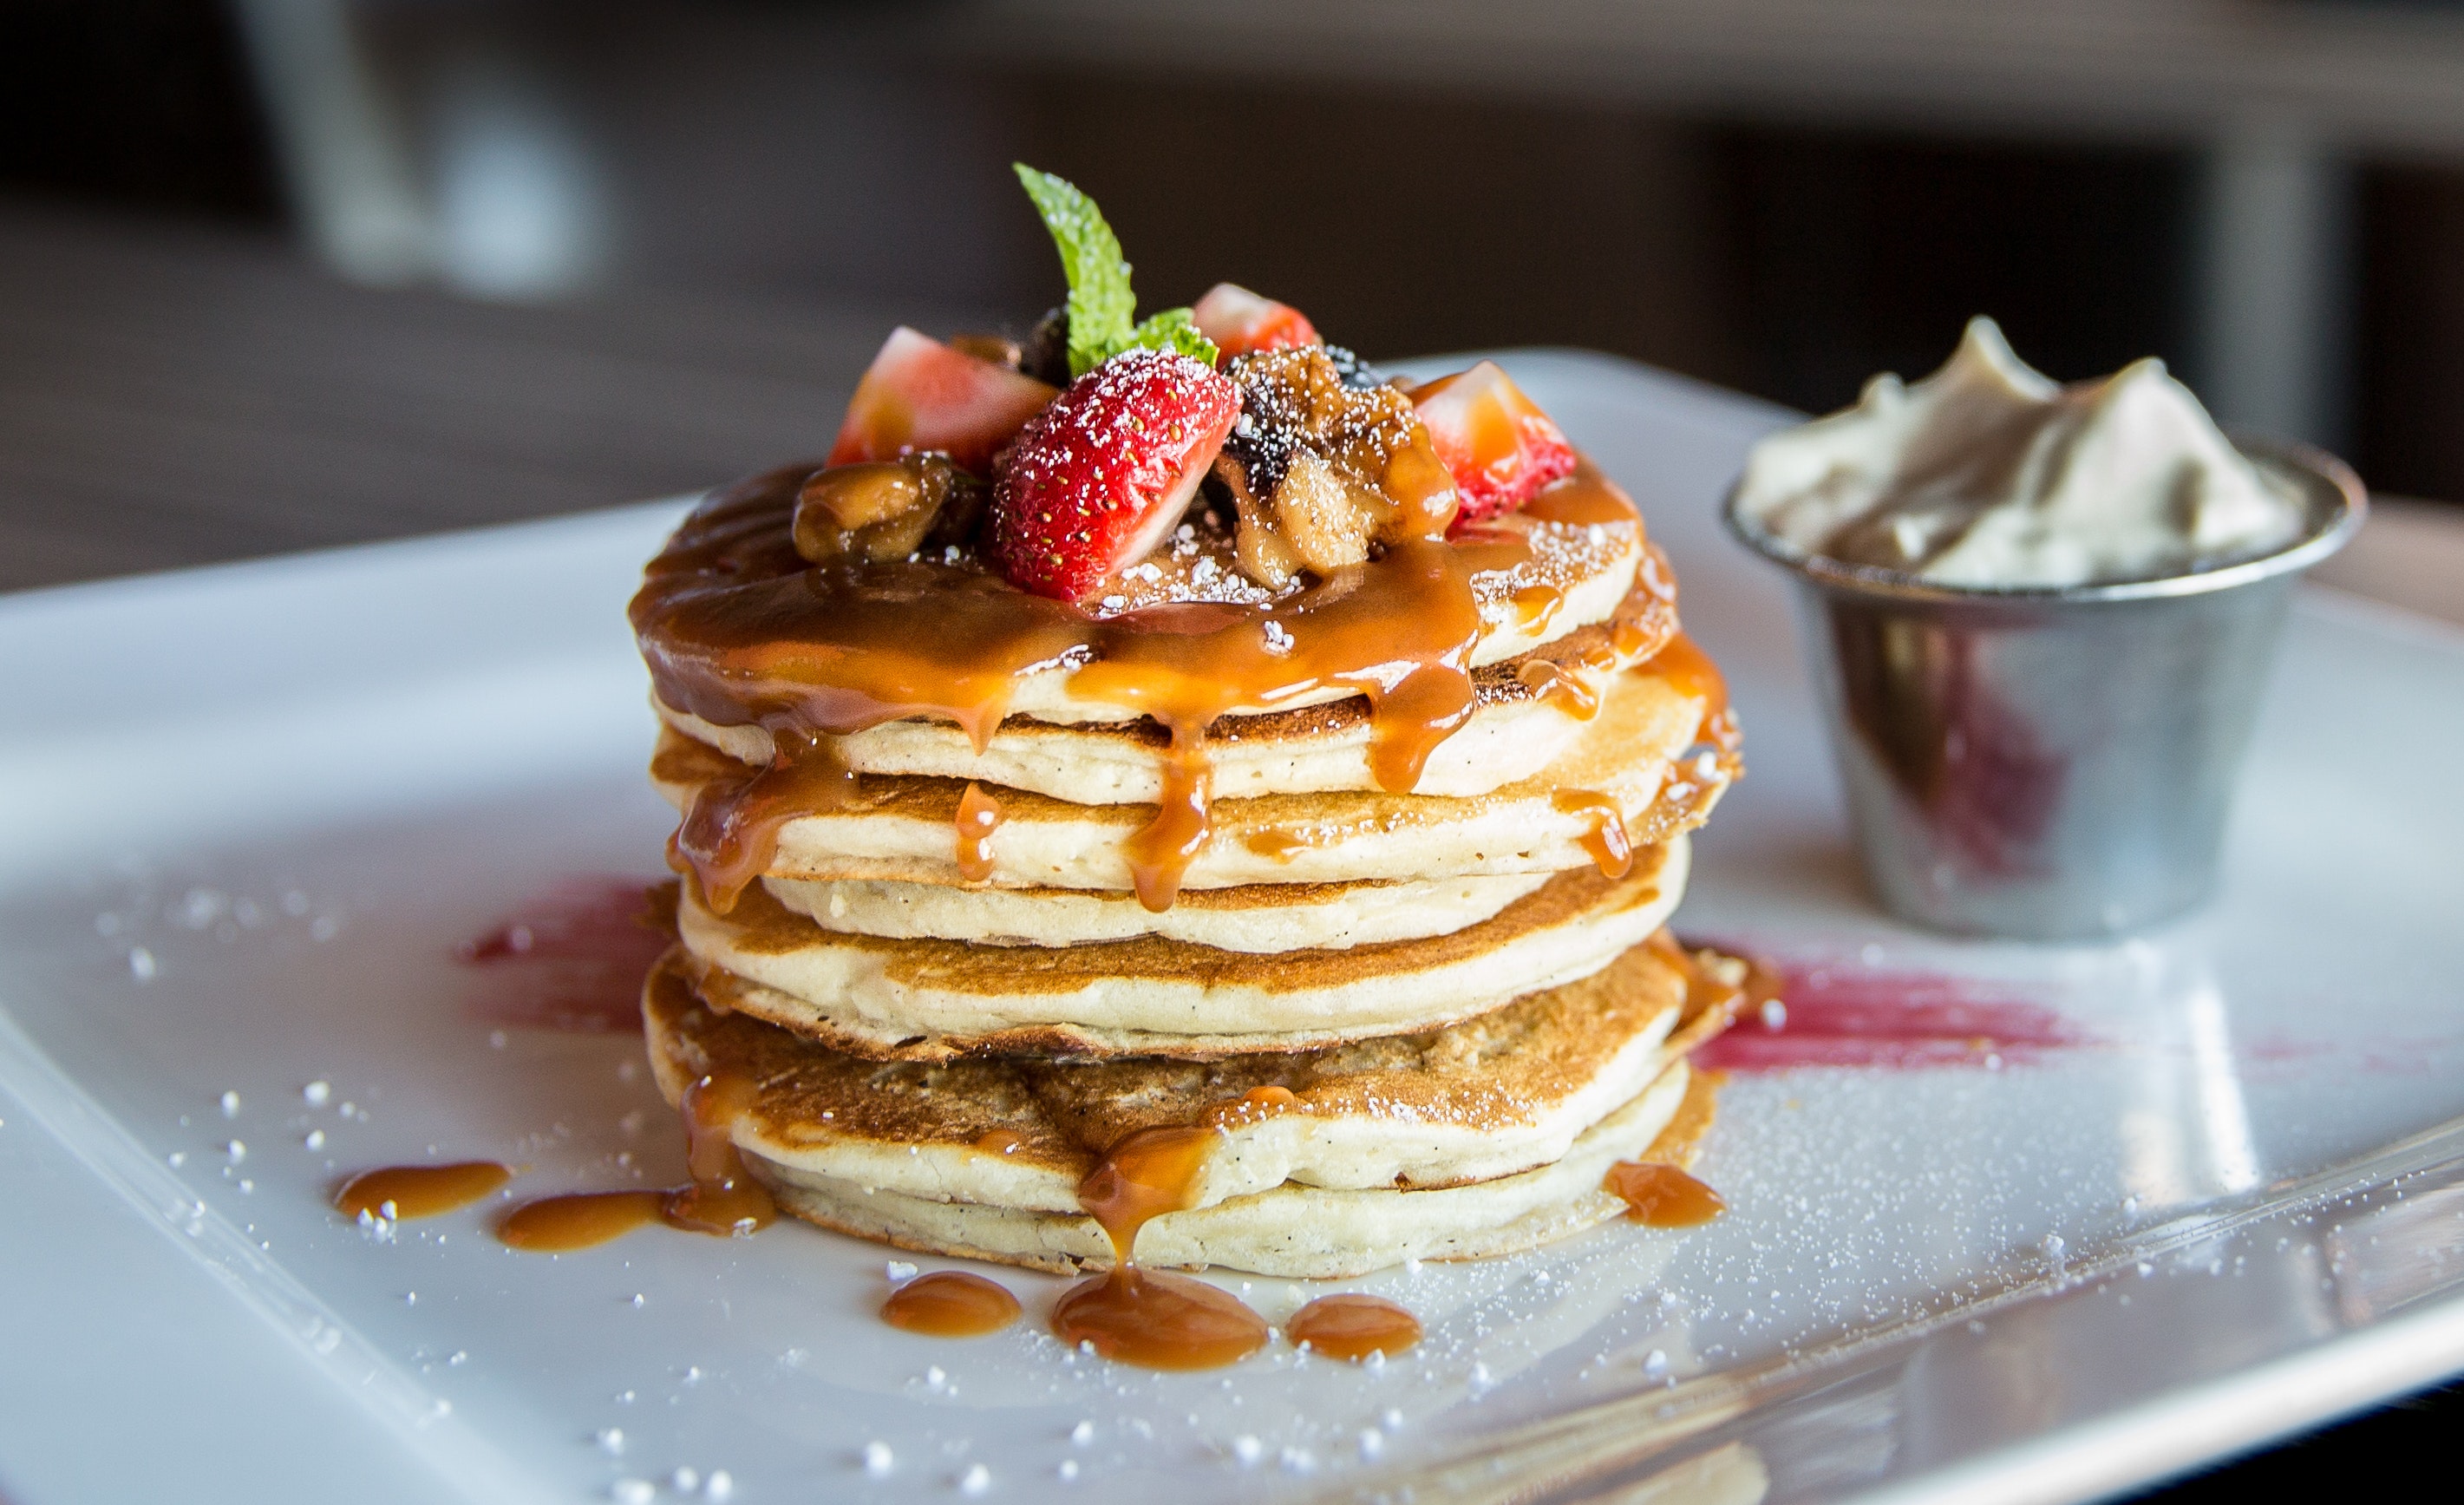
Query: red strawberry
1240	322
1098	479
1496	442
920	395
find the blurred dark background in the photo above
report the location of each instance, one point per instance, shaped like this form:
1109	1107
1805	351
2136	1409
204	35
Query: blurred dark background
1774	195
1788	234
687	218
283	273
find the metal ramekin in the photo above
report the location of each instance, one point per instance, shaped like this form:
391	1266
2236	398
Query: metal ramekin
2051	763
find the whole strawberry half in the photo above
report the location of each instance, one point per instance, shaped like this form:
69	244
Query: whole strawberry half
919	395
1098	479
1496	442
1242	322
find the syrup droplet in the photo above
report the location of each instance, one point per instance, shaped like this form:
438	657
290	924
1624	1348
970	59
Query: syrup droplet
980	816
1354	1327
1611	848
1662	1196
420	1191
1536	605
562	1224
1278	842
1159	1321
951	1303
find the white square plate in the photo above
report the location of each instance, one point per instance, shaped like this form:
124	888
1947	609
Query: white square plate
2085	1215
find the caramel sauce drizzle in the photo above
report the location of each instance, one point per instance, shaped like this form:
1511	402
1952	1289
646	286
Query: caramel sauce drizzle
737	630
1156	1321
721	1198
397	1192
1611	848
951	1303
978	816
1354	1327
730	836
999	1142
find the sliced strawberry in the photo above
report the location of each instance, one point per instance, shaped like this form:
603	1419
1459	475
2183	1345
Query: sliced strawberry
1497	442
920	395
1099	478
1240	322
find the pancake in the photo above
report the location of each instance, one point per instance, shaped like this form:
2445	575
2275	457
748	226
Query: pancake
904	828
1487	1137
1530	709
933	999
733	622
1263	919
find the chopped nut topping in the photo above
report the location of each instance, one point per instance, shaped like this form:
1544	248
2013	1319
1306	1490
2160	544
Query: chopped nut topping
1321	470
881	510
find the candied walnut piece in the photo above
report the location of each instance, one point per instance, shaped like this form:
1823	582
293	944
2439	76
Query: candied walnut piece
1323	469
879	510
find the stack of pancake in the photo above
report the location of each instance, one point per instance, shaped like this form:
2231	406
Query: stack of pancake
955	971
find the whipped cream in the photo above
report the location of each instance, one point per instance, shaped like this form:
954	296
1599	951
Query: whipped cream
1988	473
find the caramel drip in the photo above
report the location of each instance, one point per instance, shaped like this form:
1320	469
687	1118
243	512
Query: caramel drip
1607	841
951	1303
722	1198
1561	688
737	630
1149	1173
978	816
1279	842
999	1142
1161	850
419	1191
1156	1321
1689	671
1399	629
1536	606
1354	1327
1661	1196
731	834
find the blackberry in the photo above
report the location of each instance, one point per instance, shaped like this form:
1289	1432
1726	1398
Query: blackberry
1356	372
1045	356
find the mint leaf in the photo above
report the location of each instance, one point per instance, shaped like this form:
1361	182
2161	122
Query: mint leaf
1100	302
1173	329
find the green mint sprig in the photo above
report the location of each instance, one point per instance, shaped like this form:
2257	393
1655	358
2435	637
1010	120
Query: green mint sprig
1101	307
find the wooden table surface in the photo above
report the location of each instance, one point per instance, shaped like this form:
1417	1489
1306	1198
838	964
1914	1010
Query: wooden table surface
175	395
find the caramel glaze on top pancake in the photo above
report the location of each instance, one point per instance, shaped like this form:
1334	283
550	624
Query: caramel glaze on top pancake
1506	1069
737	628
1553	672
